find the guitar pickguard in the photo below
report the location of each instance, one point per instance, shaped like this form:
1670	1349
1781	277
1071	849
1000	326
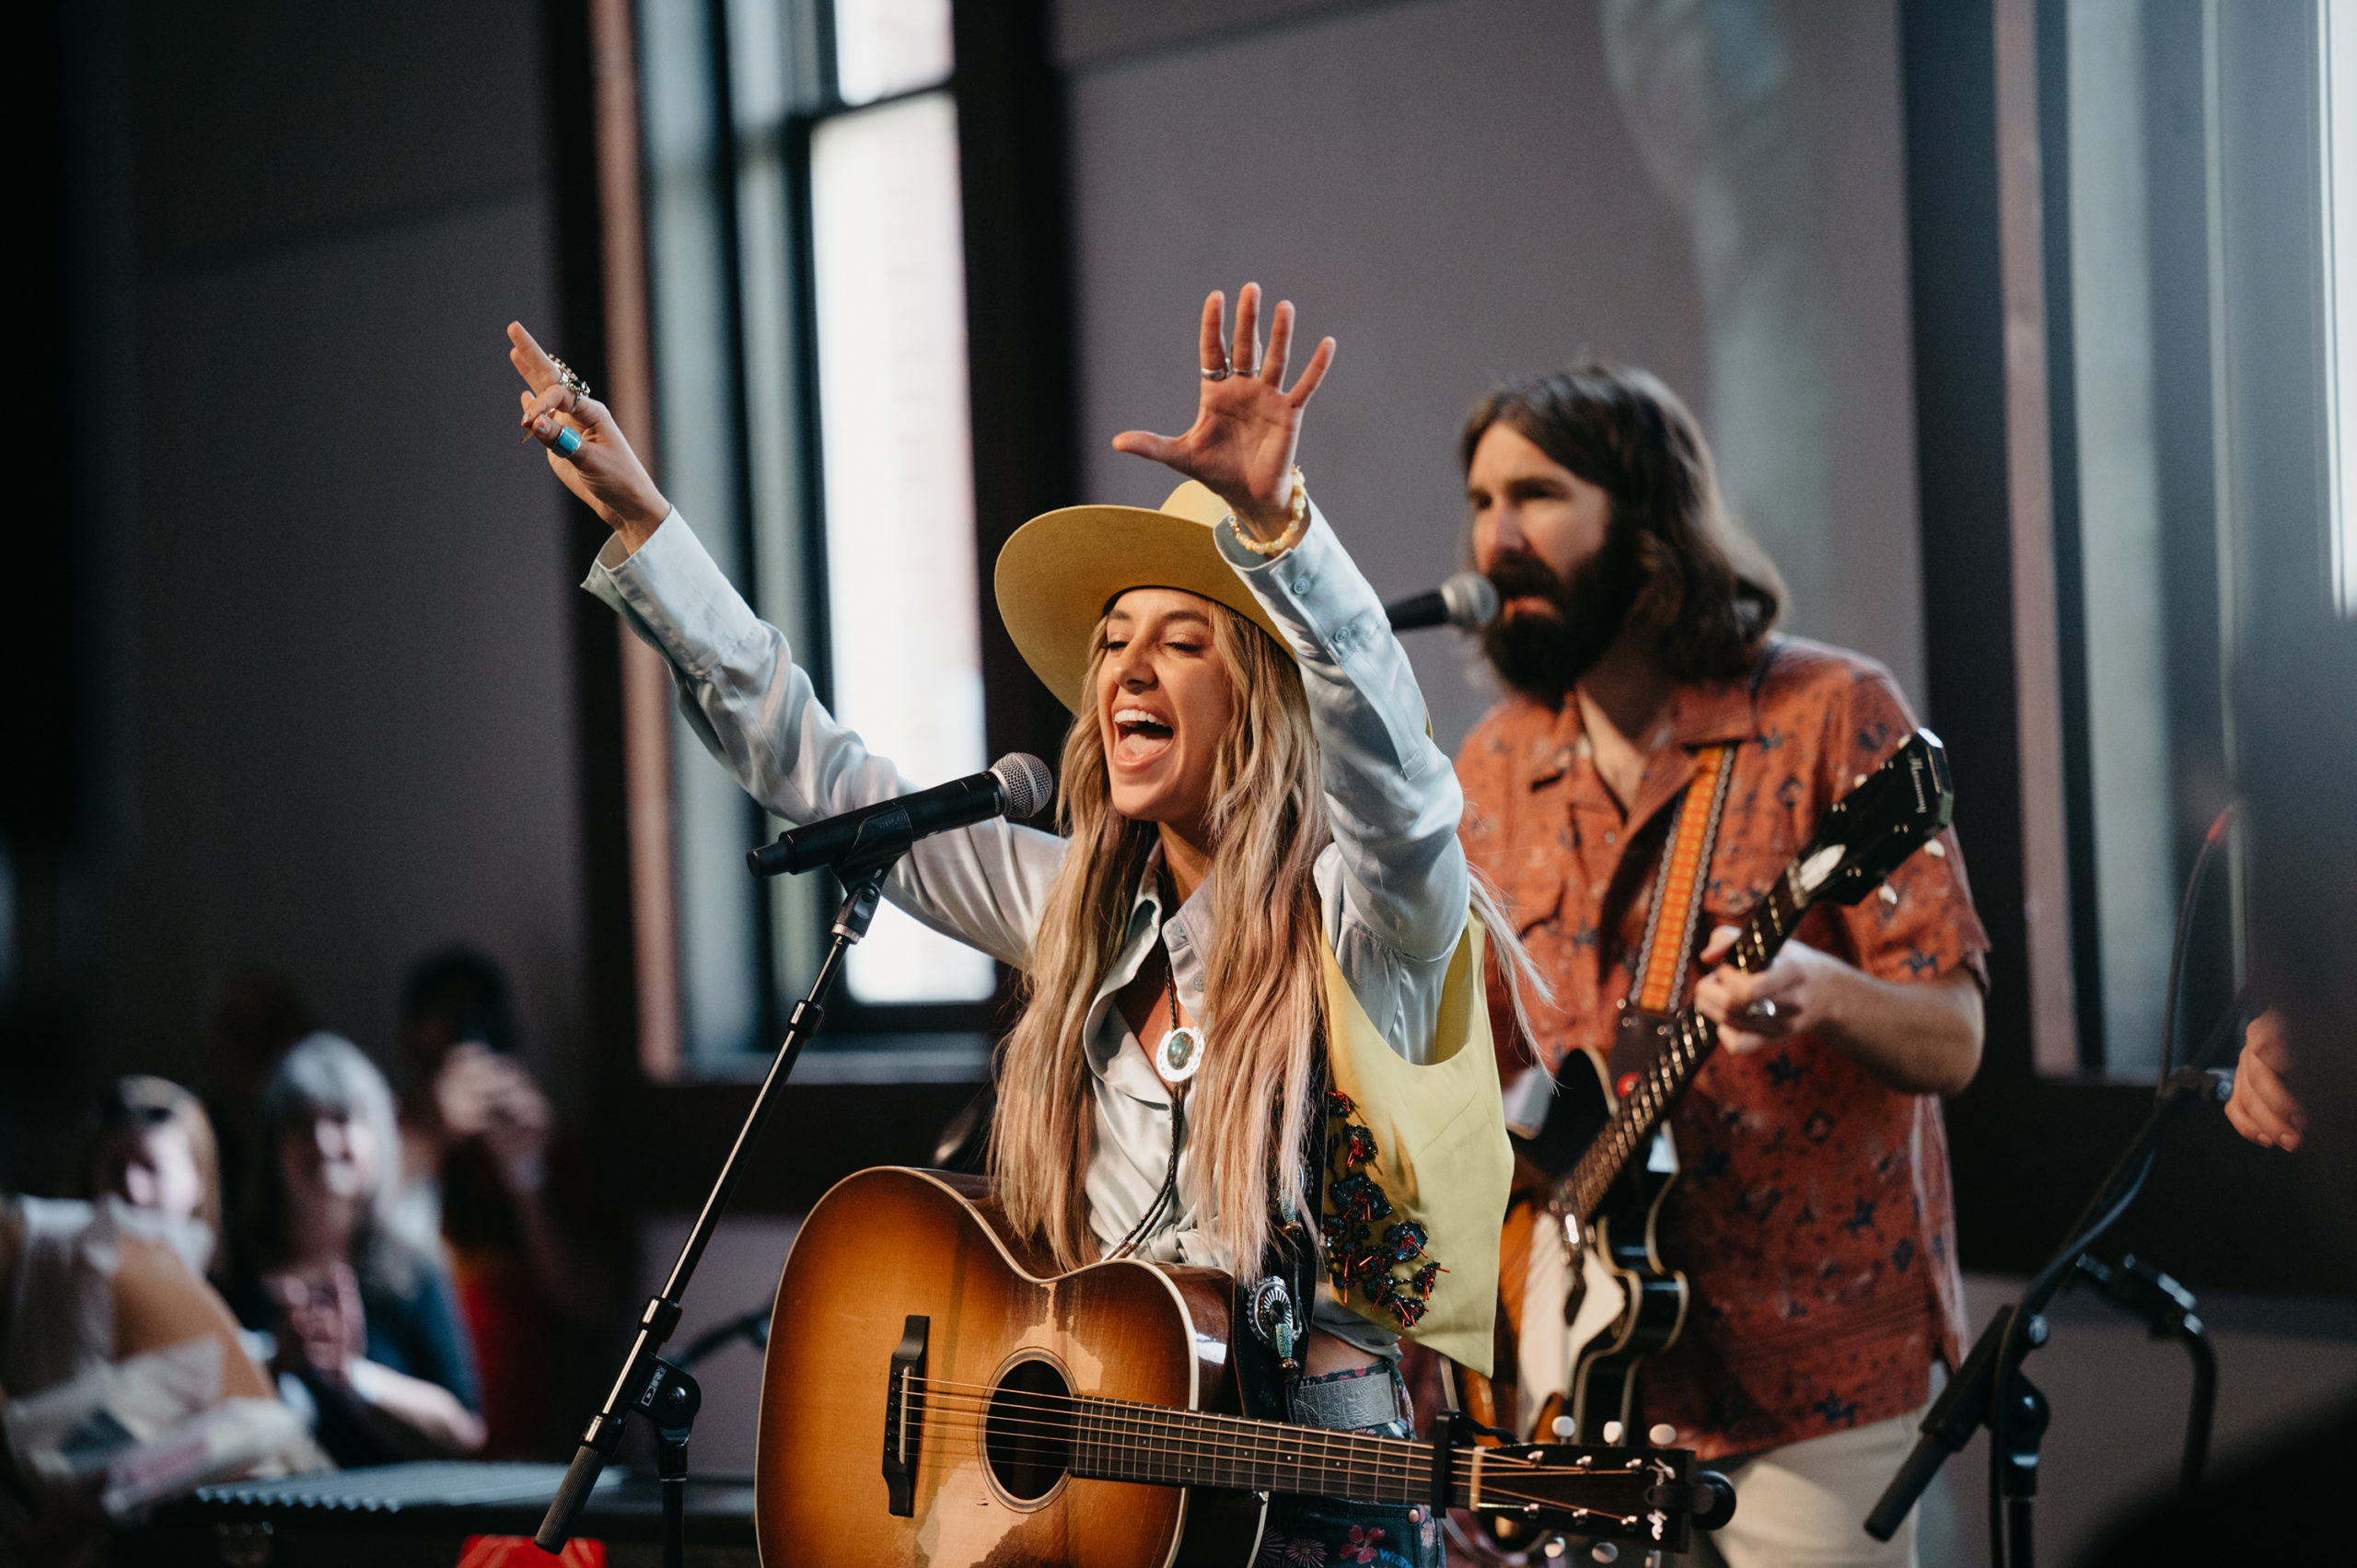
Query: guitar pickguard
1596	1301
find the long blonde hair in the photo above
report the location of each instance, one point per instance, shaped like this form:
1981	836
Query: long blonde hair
1264	1002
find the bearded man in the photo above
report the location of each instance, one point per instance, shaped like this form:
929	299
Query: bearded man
1812	1218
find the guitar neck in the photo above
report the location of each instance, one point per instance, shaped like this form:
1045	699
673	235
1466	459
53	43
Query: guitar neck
1113	1440
1692	1037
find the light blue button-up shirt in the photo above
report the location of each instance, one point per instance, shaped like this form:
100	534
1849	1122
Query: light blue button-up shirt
1393	884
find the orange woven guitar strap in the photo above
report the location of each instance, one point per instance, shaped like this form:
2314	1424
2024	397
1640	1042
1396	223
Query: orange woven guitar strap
1660	971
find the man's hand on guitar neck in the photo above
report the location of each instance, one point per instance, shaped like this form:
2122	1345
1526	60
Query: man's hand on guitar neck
1921	1039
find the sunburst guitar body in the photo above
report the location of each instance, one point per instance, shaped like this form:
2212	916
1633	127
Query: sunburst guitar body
934	1395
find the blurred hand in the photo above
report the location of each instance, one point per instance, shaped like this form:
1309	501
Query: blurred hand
1804	983
480	1094
2262	1108
322	1326
1247	426
602	471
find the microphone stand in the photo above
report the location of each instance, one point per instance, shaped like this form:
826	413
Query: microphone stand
1991	1389
657	1388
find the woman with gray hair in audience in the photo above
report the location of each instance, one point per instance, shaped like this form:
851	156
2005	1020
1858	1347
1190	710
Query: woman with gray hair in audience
365	1323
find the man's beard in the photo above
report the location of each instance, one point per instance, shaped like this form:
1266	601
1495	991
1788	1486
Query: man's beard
1543	654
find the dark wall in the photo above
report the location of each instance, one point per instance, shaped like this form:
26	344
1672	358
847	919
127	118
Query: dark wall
342	713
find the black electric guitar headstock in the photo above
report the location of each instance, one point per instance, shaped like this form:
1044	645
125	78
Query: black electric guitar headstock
1868	833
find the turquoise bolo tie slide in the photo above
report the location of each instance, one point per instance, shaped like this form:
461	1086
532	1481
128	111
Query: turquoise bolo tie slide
1181	1052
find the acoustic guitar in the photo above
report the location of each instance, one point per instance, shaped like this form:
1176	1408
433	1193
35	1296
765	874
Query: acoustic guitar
933	1395
1610	1162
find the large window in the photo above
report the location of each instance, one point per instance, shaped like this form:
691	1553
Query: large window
807	317
2198	212
2337	95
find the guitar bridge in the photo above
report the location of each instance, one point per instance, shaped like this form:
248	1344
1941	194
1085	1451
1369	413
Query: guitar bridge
904	1417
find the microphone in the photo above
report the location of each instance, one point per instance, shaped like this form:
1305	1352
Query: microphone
1468	601
1017	786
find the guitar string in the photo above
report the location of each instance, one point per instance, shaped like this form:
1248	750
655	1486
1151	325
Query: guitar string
1412	1483
1338	1477
1049	1439
1242	1428
1393	1460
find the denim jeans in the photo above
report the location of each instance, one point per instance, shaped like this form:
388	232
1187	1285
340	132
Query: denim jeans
1317	1532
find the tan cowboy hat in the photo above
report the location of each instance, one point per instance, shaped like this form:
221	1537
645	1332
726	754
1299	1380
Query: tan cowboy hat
1060	571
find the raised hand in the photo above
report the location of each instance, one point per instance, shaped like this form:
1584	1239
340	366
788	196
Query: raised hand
601	469
1246	424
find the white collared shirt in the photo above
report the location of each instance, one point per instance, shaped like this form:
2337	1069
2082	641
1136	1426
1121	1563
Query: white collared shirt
1393	884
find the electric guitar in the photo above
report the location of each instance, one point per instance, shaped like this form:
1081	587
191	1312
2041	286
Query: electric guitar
933	1394
1609	1160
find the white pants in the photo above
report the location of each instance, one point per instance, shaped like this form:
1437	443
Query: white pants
1804	1505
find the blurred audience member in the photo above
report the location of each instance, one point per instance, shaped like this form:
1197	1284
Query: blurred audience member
487	1171
151	1146
364	1319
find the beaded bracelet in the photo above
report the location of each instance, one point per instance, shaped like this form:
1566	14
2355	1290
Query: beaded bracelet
1297	519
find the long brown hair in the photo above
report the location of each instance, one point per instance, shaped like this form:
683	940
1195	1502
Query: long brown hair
1709	591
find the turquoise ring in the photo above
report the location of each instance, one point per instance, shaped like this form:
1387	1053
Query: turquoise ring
568	441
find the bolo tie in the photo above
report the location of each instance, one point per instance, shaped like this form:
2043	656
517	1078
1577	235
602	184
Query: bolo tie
1176	1060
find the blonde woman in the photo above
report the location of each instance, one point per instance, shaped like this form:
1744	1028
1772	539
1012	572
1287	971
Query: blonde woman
1251	973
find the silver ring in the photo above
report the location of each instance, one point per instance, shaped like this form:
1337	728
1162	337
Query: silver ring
570	378
1222	374
1764	1010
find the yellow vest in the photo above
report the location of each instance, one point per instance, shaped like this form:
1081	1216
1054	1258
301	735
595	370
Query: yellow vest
1438	1159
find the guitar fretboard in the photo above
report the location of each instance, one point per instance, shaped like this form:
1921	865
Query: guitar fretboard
1113	1440
1692	1037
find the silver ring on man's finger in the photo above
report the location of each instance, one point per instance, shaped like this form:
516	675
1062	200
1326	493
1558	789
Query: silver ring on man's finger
1763	1010
1219	374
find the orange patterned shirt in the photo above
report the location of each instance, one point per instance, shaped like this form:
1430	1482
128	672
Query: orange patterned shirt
1813	1216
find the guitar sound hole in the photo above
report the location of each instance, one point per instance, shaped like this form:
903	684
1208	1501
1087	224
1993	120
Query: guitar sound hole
1027	1437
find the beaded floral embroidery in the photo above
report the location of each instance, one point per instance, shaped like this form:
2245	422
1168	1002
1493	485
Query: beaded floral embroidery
1385	1264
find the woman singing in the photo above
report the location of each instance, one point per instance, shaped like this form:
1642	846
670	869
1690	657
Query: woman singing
1252	961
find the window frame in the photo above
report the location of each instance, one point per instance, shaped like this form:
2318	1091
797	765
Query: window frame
2027	1146
1010	123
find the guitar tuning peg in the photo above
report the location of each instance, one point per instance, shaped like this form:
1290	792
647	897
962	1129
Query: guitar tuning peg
1662	1435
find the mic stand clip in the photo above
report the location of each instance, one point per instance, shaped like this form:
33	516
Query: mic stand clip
2170	1310
662	1392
